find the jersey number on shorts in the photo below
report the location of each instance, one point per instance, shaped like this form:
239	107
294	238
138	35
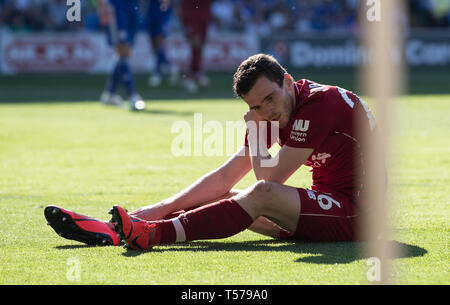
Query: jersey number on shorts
326	202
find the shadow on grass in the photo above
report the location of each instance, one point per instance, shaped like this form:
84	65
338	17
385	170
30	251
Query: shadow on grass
166	112
151	110
314	253
73	247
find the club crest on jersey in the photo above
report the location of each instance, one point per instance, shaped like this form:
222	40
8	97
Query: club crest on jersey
301	125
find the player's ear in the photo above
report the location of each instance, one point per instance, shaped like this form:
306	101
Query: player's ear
288	81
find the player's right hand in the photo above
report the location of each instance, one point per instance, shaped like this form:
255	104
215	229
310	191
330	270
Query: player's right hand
252	116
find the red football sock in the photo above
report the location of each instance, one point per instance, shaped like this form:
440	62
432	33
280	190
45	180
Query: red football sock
196	59
178	213
216	220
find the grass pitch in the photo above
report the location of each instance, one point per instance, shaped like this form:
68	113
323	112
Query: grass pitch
86	157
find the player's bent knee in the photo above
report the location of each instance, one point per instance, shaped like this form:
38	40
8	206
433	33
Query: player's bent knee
263	193
262	186
259	198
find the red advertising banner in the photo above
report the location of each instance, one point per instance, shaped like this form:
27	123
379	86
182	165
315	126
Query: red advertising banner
89	52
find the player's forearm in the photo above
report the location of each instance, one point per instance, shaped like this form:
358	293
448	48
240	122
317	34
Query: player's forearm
207	188
261	160
261	172
259	154
215	184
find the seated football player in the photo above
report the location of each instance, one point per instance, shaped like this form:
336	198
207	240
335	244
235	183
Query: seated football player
316	125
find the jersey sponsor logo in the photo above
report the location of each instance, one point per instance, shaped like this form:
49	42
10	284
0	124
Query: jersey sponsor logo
298	130
301	125
298	136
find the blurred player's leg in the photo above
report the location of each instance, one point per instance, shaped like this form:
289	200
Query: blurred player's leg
155	78
159	15
190	81
122	27
108	19
196	20
164	66
127	77
125	74
197	56
117	77
109	98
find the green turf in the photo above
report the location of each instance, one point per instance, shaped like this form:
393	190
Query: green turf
87	157
31	88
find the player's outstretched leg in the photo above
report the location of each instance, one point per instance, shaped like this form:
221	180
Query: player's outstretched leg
81	228
220	219
216	220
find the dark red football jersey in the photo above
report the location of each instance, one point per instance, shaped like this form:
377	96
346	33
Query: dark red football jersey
196	7
325	119
196	15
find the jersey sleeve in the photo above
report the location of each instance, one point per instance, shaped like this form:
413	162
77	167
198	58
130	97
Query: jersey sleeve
313	123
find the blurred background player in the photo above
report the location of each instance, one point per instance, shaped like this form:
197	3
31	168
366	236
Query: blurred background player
159	15
121	19
195	16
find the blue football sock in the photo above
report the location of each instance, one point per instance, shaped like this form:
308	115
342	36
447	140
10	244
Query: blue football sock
127	76
161	59
114	78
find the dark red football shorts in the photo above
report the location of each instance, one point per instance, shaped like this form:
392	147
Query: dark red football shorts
196	24
325	217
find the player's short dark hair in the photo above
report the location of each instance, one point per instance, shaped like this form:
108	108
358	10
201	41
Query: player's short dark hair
253	68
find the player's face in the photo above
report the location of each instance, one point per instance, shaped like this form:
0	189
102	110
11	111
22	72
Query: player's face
272	102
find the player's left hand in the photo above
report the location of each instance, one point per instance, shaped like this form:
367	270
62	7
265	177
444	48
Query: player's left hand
151	212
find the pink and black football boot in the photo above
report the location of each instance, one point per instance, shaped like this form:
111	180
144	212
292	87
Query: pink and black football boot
81	228
134	232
